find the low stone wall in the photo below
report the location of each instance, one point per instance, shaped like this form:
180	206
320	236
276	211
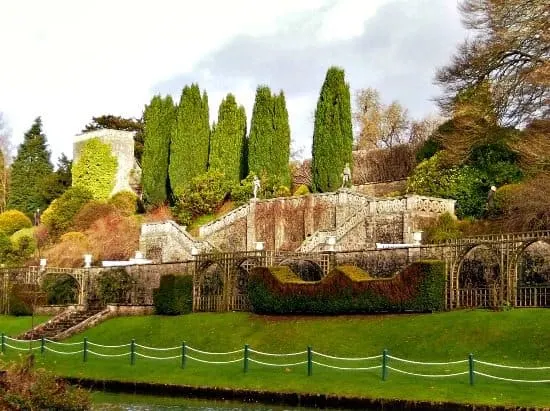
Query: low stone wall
55	309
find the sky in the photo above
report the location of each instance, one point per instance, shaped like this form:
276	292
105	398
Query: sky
68	61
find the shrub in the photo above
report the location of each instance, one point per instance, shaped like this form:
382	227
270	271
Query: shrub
58	217
160	213
23	244
347	289
114	237
68	251
205	193
445	228
282	191
125	202
243	192
174	295
302	190
115	286
25	387
13	220
60	289
23	297
91	212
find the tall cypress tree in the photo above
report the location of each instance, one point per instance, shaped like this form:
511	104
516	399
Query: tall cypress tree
159	117
189	139
281	140
29	171
332	133
269	141
228	139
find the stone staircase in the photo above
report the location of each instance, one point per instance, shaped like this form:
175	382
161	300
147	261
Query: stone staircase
59	324
319	238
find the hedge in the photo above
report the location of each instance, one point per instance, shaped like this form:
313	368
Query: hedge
420	287
175	295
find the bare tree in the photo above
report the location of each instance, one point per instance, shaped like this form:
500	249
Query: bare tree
380	125
5	160
510	50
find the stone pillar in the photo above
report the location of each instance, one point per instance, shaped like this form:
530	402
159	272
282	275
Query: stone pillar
309	218
251	226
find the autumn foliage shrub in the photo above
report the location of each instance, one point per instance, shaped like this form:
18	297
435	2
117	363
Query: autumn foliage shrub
113	237
419	287
90	212
69	251
125	202
13	220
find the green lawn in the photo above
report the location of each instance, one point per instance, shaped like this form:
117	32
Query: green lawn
10	325
517	337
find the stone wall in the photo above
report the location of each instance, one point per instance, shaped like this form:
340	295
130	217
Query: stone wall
304	223
122	146
382	189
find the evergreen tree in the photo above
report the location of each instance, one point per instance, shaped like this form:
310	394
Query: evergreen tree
58	181
189	139
332	133
269	141
159	117
280	150
29	171
228	139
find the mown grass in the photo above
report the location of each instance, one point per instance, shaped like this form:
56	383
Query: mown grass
517	337
11	326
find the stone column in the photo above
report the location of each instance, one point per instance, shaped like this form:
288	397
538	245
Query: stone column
251	225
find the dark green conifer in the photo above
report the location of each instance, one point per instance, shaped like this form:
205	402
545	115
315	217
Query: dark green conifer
29	172
332	133
159	117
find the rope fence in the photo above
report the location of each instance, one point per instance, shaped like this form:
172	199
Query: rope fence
384	363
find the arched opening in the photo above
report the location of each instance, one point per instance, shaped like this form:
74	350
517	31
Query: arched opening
479	278
60	289
533	275
307	270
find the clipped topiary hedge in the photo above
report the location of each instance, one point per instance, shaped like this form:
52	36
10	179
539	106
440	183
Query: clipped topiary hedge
175	295
419	287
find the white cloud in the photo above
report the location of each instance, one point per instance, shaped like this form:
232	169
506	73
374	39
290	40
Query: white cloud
70	60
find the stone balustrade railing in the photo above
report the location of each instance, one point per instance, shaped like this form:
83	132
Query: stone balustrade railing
176	233
224	221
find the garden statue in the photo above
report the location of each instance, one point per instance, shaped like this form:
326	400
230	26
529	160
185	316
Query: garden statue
346	176
491	197
256	186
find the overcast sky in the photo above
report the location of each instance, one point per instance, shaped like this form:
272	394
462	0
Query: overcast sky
70	60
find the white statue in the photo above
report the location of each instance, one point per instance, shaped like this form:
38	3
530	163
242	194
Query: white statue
256	186
346	176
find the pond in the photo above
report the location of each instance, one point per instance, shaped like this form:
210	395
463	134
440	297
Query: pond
129	402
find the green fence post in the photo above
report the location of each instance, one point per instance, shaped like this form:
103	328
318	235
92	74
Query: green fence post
183	354
471	363
309	361
133	352
245	366
384	364
85	352
3	343
42	343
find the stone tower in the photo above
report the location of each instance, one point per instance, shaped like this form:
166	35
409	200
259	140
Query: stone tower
128	174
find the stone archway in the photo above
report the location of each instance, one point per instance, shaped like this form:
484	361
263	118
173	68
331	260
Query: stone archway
60	288
208	287
478	278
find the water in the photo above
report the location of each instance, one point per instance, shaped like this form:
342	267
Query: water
128	402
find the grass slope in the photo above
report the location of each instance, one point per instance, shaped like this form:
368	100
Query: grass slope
518	337
12	326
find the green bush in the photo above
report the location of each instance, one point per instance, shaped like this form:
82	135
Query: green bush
60	289
175	295
23	297
420	287
115	287
243	192
205	194
302	190
428	149
125	202
13	220
23	244
58	217
445	228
